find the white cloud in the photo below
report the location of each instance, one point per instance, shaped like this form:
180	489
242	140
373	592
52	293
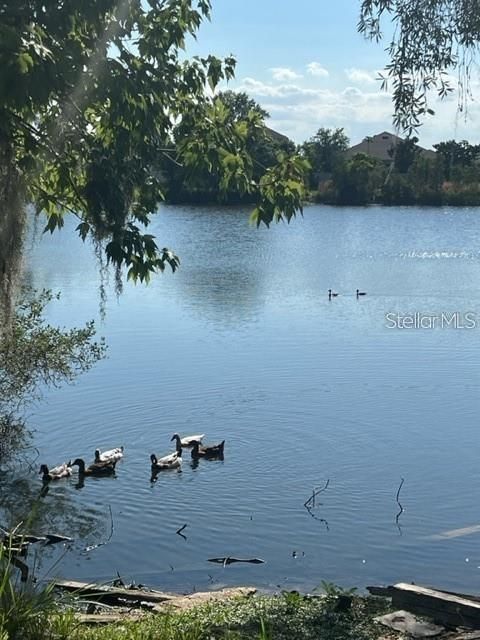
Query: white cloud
299	112
284	73
361	76
362	110
316	69
280	92
344	103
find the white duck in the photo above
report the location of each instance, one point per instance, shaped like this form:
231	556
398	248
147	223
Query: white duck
172	461
62	471
187	441
112	455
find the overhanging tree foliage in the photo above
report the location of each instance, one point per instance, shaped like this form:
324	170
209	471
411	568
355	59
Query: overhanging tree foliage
90	95
430	39
201	181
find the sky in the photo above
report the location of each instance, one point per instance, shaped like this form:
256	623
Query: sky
305	63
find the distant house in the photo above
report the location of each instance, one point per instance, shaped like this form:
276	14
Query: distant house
382	147
276	136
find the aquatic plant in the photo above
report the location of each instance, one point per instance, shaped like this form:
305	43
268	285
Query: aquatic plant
25	608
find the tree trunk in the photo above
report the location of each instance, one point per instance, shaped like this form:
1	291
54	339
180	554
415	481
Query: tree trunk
12	226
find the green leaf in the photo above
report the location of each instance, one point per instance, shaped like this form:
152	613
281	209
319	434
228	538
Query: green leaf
55	221
25	62
83	230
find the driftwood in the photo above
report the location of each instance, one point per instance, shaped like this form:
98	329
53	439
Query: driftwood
202	597
407	623
137	599
455	533
443	607
112	595
230	560
378	590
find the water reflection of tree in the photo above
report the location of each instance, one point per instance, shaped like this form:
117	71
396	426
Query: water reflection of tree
38	509
33	355
44	508
221	279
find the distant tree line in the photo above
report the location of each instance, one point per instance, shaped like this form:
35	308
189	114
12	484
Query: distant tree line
451	177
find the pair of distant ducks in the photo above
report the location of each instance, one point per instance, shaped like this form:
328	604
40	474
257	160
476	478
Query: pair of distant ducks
105	462
334	294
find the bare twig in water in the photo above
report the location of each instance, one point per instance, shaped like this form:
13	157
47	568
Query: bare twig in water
310	503
398	492
179	531
100	544
118	581
401	508
325	522
111	524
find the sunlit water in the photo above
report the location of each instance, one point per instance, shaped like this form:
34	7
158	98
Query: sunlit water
243	344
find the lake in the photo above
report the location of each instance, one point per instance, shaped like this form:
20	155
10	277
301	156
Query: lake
243	344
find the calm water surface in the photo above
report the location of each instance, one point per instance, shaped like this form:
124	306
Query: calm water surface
243	344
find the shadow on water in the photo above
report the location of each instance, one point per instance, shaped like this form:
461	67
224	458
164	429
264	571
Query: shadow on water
162	472
40	508
44	506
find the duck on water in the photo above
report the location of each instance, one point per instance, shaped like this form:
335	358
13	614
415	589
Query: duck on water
105	468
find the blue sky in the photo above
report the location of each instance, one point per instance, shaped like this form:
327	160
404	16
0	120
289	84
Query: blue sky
304	62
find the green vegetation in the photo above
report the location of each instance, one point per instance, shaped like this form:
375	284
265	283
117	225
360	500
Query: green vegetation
283	617
97	99
33	355
451	177
24	610
29	611
332	176
103	116
430	40
265	148
32	613
324	152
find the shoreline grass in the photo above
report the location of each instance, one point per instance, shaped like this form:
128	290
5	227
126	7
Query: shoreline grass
31	611
337	615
